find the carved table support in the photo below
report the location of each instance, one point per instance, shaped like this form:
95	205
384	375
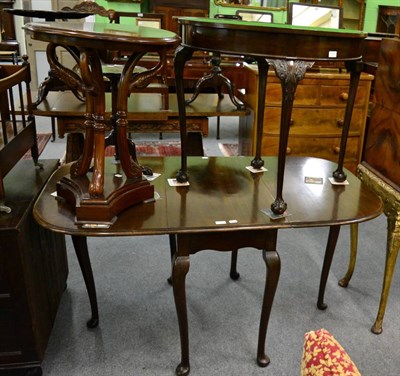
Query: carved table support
56	79
97	195
355	69
263	66
182	55
290	73
92	202
218	80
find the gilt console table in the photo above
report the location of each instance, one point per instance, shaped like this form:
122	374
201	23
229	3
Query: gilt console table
95	198
222	209
290	50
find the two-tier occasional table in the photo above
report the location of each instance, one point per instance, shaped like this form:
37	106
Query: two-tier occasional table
222	209
96	198
290	50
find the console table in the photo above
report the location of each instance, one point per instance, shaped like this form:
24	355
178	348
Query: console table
222	209
290	50
97	199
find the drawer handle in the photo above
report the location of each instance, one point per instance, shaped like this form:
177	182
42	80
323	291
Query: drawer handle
344	97
336	149
340	123
288	150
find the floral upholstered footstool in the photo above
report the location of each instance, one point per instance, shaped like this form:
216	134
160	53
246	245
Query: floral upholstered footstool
324	356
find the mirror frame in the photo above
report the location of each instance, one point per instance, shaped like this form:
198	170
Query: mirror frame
243	6
292	4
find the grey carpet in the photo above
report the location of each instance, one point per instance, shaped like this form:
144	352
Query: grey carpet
138	332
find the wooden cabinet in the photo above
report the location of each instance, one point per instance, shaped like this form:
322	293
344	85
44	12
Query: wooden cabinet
388	19
170	13
317	117
176	8
33	273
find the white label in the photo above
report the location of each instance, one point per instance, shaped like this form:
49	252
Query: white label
332	54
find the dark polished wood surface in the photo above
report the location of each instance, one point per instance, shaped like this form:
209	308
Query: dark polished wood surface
290	50
221	209
103	36
49	15
221	189
270	40
85	42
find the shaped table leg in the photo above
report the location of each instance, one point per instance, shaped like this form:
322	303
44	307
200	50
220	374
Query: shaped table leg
81	250
191	243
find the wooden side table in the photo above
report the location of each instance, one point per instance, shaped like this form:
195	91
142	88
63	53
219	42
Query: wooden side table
224	207
95	198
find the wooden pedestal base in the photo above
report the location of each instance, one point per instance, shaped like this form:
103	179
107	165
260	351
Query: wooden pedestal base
119	194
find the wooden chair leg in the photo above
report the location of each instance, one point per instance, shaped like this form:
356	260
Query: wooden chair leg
234	273
53	129
353	255
172	248
218	127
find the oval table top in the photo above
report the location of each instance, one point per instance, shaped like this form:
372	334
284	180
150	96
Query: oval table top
223	196
104	36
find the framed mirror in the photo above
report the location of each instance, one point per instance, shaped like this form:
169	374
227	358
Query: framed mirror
315	15
251	15
268	4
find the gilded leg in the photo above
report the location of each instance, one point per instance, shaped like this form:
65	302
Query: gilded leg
392	250
391	200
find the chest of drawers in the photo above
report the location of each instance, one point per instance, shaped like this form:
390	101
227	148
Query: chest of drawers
317	117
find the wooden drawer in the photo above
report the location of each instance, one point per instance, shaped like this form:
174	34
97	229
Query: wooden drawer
336	95
316	121
319	147
315	95
305	94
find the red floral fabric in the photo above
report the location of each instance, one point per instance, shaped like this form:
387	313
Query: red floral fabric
324	356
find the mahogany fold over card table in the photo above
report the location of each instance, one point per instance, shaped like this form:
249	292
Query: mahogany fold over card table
223	208
290	50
